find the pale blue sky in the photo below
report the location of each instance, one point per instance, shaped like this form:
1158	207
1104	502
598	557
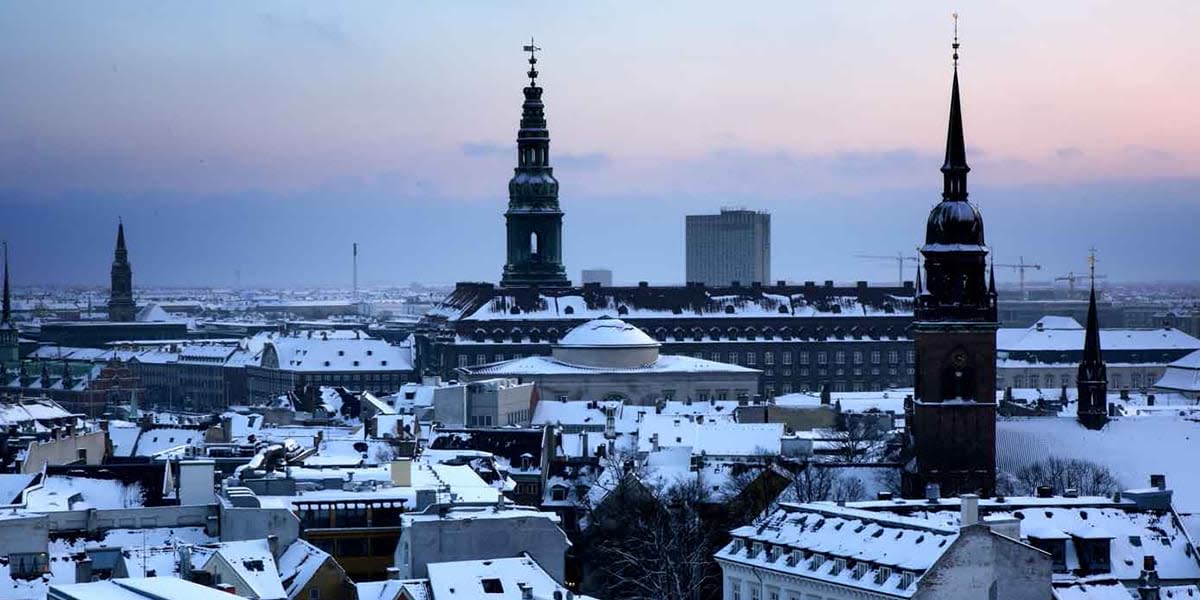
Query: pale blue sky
268	136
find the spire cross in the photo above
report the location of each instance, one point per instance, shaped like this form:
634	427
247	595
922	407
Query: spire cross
955	44
532	49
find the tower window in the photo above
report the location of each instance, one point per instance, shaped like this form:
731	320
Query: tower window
533	243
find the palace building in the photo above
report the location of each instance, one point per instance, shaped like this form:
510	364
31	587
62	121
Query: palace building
801	336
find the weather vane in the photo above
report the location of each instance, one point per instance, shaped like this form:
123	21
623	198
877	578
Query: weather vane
955	44
532	50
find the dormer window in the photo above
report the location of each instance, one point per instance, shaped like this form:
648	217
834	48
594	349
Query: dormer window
839	565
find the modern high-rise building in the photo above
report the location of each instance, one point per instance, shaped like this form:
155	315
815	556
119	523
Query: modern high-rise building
598	275
734	245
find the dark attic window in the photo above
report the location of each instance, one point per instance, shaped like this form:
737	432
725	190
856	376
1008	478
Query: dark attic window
492	586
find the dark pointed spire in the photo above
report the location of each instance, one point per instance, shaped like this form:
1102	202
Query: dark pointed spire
992	277
955	169
120	252
6	312
1092	377
920	288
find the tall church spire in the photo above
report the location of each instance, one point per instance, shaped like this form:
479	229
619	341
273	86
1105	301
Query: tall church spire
951	435
6	312
533	218
9	338
955	169
1092	378
120	300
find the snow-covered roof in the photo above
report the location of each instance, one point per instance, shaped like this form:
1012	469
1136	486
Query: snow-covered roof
471	512
493	579
607	332
830	533
1064	337
545	365
1132	533
32	410
1132	448
298	564
855	402
253	563
64	492
1182	375
142	588
389	589
712	438
340	354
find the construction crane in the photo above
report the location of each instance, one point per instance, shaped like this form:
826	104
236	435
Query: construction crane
1020	267
899	257
1071	277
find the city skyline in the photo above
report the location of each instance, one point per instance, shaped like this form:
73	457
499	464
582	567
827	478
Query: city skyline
394	136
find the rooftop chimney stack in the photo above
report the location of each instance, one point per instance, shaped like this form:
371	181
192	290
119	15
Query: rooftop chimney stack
970	509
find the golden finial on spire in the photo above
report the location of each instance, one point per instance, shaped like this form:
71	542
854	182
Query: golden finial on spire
955	44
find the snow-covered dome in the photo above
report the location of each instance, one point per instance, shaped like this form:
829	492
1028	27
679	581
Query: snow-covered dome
606	332
606	342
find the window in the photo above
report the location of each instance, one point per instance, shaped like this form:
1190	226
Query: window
874	357
716	356
1019	381
751	359
755	594
822	358
768	358
839	357
1035	381
668	395
858	357
893	357
462	360
722	395
735	589
733	358
787	357
911	356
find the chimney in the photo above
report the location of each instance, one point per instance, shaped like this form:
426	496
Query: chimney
196	482
933	491
584	448
970	510
393	573
526	591
273	544
1045	491
1148	582
1158	482
83	570
401	469
227	588
883	496
185	562
654	442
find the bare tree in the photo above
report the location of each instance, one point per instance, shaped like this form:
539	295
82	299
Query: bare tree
815	482
653	546
1060	474
860	438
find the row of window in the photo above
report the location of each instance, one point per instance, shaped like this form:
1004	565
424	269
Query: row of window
750	358
680	334
1049	380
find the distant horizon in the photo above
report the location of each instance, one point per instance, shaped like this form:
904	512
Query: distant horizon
267	139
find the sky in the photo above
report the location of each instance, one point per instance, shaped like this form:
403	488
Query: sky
260	140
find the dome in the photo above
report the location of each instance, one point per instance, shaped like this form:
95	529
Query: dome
954	222
606	332
606	343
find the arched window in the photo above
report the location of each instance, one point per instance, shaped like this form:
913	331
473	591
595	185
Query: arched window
679	334
533	244
480	335
958	377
